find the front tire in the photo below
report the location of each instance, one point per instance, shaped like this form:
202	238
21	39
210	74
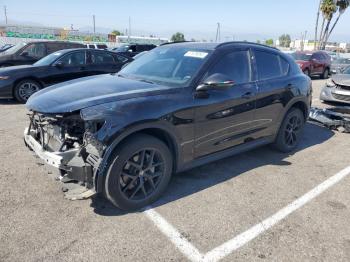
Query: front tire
24	89
138	172
290	131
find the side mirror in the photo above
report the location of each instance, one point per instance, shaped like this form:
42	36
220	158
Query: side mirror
24	53
216	82
59	64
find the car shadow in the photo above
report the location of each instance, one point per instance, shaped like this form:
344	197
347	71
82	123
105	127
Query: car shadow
8	101
206	176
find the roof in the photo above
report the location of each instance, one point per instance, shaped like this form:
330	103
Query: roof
212	46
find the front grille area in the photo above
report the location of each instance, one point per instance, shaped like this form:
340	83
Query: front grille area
342	97
340	87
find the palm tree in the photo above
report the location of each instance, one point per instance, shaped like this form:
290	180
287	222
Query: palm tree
328	8
316	26
342	6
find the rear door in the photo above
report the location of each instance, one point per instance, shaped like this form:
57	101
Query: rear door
102	62
317	63
274	91
224	118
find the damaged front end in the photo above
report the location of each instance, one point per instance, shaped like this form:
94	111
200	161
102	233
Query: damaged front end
67	142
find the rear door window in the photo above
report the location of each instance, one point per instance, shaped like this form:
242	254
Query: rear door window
53	47
101	58
270	65
235	65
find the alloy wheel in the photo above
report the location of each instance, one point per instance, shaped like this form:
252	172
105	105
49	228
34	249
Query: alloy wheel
26	89
141	174
292	130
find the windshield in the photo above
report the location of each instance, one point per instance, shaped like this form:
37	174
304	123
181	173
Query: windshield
14	49
301	56
342	61
48	60
171	66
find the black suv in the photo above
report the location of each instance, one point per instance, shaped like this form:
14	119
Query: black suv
174	108
133	49
29	53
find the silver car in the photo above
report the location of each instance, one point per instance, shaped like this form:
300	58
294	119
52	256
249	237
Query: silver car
337	88
339	65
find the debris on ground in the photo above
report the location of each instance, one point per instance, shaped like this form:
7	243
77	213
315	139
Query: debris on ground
336	118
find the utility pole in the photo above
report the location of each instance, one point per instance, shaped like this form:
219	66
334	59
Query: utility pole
218	36
5	12
129	33
94	23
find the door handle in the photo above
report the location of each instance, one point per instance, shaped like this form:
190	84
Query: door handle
247	95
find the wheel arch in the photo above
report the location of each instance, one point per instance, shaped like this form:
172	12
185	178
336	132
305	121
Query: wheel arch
160	132
33	78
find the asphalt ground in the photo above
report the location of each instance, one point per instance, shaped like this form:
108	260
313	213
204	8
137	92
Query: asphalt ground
202	209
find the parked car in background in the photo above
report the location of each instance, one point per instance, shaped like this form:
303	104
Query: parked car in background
337	89
313	63
5	47
97	46
339	65
133	49
21	82
178	106
29	53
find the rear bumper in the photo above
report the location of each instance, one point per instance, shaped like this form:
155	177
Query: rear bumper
333	94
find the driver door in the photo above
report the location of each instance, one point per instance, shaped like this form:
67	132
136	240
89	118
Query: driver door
68	67
224	118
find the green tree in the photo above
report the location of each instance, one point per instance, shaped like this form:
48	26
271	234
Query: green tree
342	6
269	42
328	9
116	32
285	40
258	42
178	37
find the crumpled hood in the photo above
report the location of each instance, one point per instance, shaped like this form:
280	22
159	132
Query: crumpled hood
341	79
89	91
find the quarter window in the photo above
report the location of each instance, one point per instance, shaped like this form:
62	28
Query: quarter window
235	65
270	65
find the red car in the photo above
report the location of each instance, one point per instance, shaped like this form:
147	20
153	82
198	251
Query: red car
313	63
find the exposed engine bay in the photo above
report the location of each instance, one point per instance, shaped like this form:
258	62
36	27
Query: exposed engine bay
66	142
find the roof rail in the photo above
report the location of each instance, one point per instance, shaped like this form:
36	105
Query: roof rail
246	42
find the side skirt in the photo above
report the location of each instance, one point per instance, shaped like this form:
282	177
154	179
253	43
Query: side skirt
226	153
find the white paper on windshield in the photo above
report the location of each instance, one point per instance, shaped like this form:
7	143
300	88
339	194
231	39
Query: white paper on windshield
196	54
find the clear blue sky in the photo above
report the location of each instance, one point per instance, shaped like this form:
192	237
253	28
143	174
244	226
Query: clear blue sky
240	19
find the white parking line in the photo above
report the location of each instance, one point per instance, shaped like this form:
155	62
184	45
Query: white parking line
193	254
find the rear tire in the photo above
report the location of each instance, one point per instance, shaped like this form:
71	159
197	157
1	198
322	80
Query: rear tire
138	172
290	131
24	89
325	74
